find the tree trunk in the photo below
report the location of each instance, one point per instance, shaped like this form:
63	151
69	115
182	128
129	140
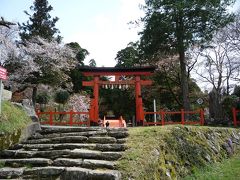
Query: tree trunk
215	107
34	96
181	51
184	81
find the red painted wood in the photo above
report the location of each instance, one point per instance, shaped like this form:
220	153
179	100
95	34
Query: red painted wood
96	97
234	117
138	96
146	73
130	82
182	113
202	117
87	83
51	118
70	122
182	116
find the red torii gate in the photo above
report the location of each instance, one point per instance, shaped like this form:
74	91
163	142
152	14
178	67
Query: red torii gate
97	72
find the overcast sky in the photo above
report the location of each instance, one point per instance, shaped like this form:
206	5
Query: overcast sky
100	26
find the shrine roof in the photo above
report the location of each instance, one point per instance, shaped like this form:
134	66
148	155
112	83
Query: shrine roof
90	71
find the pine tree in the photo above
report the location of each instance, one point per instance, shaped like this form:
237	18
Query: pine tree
40	23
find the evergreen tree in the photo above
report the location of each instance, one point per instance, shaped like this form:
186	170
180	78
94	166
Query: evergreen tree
129	56
92	63
171	27
79	51
40	23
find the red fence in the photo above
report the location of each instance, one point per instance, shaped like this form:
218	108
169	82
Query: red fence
236	121
63	118
199	115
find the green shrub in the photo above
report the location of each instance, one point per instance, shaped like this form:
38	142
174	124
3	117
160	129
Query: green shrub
61	97
43	98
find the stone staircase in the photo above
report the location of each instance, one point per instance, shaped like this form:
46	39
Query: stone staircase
69	153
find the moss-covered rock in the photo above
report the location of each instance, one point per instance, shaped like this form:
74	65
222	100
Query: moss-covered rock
9	139
172	152
15	125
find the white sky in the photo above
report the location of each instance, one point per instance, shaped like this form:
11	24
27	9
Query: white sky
100	26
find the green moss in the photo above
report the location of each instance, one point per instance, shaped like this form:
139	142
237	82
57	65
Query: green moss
9	139
172	152
12	120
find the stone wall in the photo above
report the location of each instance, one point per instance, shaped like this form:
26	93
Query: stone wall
172	152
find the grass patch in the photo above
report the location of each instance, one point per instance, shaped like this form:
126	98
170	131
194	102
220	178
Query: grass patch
12	118
228	169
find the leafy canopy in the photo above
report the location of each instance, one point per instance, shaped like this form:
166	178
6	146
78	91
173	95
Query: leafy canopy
172	26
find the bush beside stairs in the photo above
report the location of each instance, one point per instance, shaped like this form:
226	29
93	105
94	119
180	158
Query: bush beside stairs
69	153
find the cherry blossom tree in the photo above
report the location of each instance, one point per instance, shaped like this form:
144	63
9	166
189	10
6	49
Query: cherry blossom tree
8	46
41	62
79	103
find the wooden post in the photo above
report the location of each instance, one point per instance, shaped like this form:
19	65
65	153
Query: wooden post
88	123
71	118
138	96
50	118
162	117
234	117
96	94
182	116
201	117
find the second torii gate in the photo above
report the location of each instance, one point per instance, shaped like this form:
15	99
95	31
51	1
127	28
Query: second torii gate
97	72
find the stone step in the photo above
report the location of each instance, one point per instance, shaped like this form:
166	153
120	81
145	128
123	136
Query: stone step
102	140
118	134
93	154
62	173
67	139
53	154
63	146
56	146
73	173
102	132
10	173
25	162
49	172
69	129
84	163
63	129
122	141
73	139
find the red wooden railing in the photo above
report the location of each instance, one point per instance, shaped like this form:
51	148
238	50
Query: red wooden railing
51	116
235	120
183	113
